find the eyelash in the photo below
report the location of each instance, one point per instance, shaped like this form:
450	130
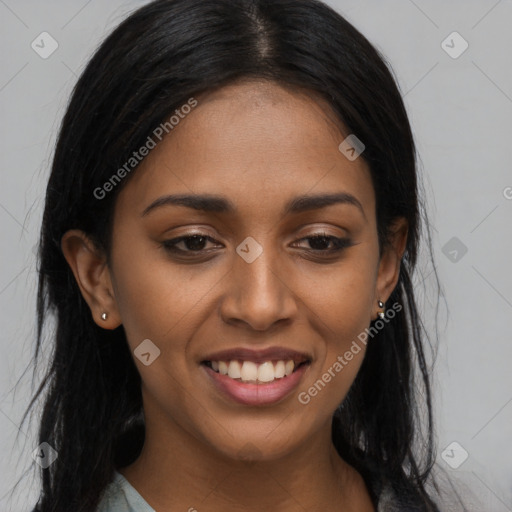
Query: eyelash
339	244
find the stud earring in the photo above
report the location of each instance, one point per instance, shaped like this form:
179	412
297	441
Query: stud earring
380	314
104	316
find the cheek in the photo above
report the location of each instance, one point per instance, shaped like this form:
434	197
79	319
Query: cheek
341	298
342	306
157	302
157	299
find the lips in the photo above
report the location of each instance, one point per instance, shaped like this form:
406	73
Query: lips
256	377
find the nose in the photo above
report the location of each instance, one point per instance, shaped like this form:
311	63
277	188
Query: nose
259	294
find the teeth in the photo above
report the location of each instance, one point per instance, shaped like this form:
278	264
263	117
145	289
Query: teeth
266	372
279	370
223	368
249	371
234	370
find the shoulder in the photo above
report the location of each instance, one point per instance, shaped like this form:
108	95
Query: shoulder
120	496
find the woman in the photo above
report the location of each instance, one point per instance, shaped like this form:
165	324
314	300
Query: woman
231	226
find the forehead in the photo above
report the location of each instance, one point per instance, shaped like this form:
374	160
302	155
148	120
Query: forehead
257	142
253	113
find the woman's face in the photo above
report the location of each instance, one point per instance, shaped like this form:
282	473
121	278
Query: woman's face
258	282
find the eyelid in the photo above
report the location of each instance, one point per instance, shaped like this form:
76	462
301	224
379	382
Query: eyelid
174	241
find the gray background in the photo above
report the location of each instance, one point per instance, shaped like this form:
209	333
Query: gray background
460	109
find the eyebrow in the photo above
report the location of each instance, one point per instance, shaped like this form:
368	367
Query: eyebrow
219	204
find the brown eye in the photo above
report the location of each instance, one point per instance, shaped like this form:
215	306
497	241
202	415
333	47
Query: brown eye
191	243
321	243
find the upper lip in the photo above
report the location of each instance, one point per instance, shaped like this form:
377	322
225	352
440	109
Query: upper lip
258	356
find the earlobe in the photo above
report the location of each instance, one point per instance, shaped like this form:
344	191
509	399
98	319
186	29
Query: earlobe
89	266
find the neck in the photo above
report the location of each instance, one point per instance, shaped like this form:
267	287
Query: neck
176	471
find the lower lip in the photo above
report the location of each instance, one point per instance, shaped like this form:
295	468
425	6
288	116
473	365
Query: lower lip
256	394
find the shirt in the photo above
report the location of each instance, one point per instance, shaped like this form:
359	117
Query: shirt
121	496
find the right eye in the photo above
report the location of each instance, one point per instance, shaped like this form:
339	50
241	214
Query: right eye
192	243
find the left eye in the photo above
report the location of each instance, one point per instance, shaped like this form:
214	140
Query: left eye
317	242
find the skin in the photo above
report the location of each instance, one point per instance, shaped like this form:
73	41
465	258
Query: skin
258	145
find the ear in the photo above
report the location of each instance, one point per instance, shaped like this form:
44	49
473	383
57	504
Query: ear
390	260
92	275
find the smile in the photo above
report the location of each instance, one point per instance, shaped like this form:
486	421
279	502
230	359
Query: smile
262	384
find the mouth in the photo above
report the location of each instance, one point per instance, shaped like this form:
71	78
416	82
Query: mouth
256	378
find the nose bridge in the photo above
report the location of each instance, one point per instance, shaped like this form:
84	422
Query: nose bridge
259	276
258	293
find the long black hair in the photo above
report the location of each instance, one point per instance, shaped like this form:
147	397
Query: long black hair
156	60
